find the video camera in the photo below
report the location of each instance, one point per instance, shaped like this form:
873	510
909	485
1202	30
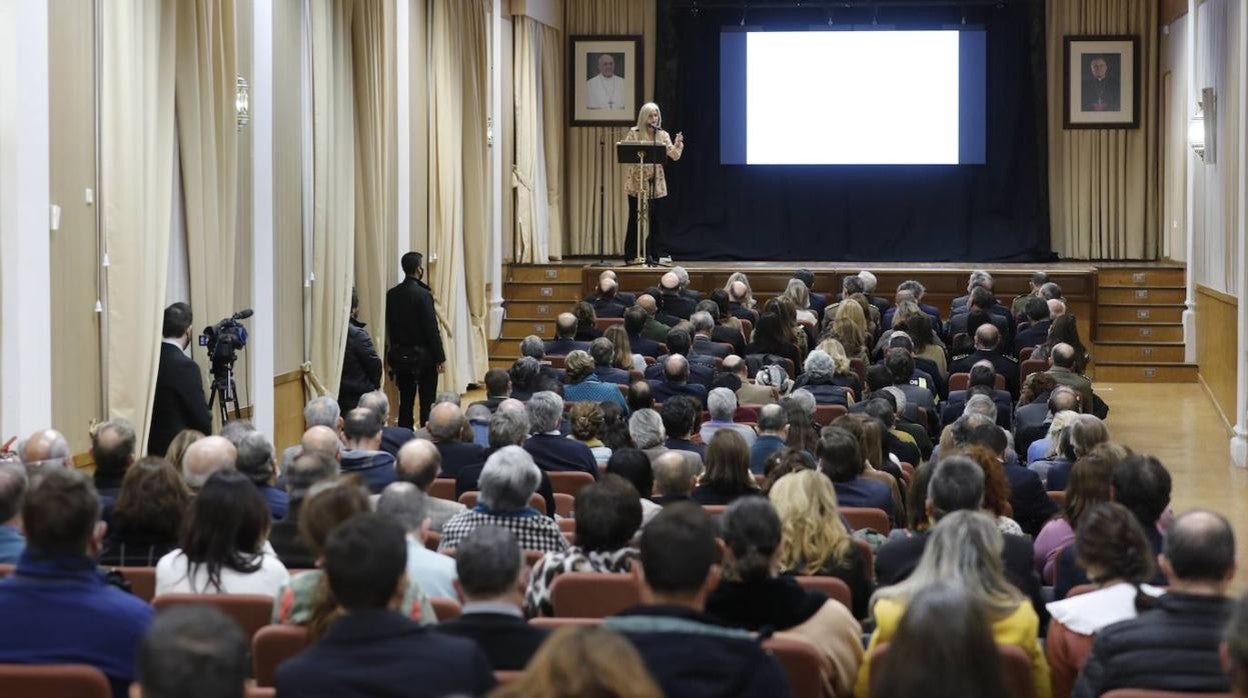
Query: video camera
224	339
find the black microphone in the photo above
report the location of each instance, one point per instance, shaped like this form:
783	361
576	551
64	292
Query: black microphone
243	314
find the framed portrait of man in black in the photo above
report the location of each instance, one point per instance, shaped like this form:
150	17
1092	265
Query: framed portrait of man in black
1101	81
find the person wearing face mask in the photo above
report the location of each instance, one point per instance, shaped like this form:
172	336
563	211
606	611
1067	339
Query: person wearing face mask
180	402
413	342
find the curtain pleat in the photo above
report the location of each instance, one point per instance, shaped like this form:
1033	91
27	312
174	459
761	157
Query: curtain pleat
538	173
373	66
1103	195
458	198
137	120
333	208
588	146
208	143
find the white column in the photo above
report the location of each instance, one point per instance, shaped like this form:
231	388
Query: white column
25	237
261	362
496	171
403	126
1239	442
1189	105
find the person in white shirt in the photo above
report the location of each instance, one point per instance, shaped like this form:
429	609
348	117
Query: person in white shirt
225	547
606	89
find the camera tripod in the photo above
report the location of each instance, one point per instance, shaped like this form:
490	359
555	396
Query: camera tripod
224	392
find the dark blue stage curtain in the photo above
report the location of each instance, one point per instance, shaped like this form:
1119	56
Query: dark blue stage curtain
992	212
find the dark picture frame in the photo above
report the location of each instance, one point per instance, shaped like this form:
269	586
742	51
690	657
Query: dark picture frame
595	98
1101	81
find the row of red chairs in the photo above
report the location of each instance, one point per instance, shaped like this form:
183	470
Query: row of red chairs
562	483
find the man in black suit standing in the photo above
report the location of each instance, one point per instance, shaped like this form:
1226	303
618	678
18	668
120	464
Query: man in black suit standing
413	342
492	583
179	402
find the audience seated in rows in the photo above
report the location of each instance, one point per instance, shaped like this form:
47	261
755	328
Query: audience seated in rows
550	449
565	341
13	484
303	474
302	601
192	651
773	429
255	460
147	515
392	437
362	455
721	403
369	649
582	383
680	419
1089	485
1083	433
645	426
674	478
419	462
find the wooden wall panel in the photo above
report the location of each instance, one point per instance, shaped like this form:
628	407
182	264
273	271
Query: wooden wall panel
288	409
76	398
1216	326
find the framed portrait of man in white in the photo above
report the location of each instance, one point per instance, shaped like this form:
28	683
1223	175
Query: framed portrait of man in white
604	80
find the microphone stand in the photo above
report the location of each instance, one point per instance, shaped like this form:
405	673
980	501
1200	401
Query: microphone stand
602	198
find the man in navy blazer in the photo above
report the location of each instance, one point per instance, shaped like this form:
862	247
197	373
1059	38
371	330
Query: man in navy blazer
603	353
446	428
703	345
372	649
623	298
701	367
1037	332
563	343
634	324
1031	504
675	303
179	402
676	381
551	450
492	582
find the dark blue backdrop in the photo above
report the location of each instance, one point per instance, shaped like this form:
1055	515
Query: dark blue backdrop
992	212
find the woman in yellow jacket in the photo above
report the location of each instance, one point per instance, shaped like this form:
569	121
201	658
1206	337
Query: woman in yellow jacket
964	551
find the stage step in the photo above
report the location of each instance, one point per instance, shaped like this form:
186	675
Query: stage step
1139	352
544	273
1143	276
1135	294
1159	372
558	293
1140	312
516	330
1139	332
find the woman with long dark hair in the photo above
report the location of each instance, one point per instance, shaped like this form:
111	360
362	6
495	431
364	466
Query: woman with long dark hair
1065	330
727	473
224	543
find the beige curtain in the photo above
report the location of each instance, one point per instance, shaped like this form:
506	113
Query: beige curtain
333	184
372	38
538	173
137	123
583	174
208	143
457	183
1103	184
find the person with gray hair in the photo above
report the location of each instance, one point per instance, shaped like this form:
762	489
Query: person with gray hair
361	434
957	484
674	479
478	416
112	448
550	449
408	506
12	490
446	427
602	350
981	404
773	431
47	448
205	457
646	429
821	380
255	460
491	582
509	426
722	405
702	325
392	437
419	462
805	399
308	470
508	481
524	375
320	411
235	429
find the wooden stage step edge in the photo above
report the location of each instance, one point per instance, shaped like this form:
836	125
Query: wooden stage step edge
1136	294
1139	332
1139	312
1139	352
1159	372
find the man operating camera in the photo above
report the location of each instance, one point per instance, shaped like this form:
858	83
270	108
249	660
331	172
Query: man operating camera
180	402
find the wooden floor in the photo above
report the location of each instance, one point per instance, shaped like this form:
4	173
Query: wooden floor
1177	423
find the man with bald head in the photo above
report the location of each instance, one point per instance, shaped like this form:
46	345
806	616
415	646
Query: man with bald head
323	441
446	429
1062	369
46	448
675	303
675	381
621	297
564	342
674	478
1032	422
205	457
988	347
1057	307
749	393
606	300
419	464
1174	646
738	295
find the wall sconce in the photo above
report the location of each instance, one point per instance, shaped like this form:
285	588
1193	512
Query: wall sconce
242	102
1202	130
